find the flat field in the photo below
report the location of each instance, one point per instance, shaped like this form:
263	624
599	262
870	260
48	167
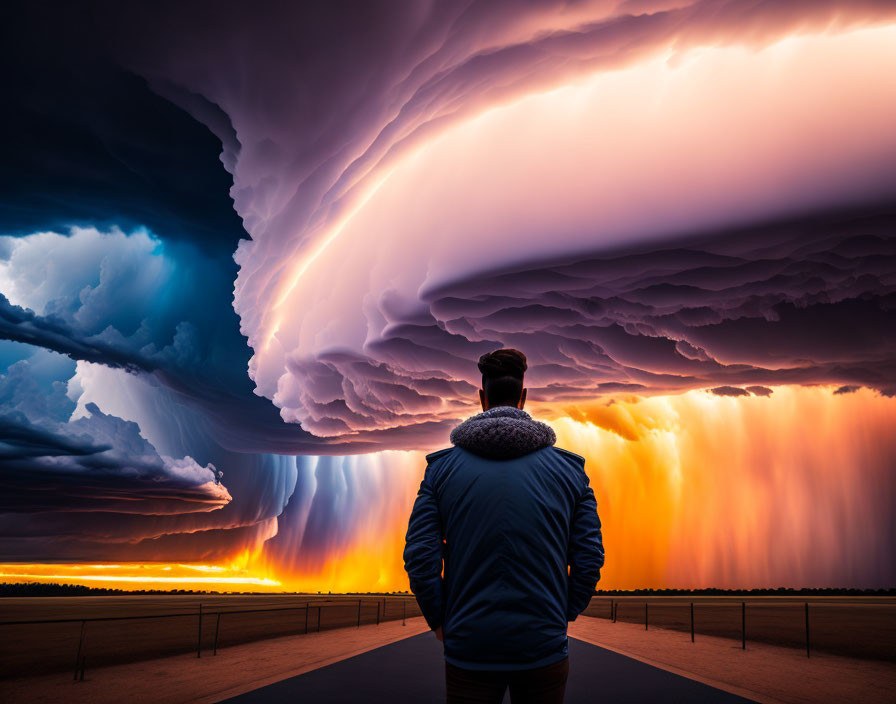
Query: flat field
133	628
863	627
144	627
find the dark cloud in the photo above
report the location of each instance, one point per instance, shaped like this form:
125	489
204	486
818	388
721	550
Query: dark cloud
94	486
808	300
127	115
95	145
23	325
848	389
55	470
240	421
127	537
796	301
759	390
729	391
98	463
422	70
699	315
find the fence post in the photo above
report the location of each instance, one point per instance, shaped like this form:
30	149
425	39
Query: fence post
78	656
743	625
217	628
645	615
611	608
807	629
319	610
306	618
199	638
377	613
404	613
359	613
615	611
692	622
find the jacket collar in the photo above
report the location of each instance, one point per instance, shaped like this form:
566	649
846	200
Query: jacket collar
502	433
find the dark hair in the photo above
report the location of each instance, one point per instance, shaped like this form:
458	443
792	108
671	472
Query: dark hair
502	376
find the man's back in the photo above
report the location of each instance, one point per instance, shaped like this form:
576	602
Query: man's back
508	512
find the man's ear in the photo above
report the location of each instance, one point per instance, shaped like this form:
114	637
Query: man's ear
483	400
522	399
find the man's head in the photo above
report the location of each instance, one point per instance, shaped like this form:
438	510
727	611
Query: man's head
502	379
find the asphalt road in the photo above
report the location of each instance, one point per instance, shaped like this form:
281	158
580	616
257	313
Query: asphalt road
412	670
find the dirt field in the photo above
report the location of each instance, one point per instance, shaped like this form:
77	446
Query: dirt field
769	674
862	627
170	625
143	627
765	673
182	678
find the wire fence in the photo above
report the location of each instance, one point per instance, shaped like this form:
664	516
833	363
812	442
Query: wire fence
39	646
854	629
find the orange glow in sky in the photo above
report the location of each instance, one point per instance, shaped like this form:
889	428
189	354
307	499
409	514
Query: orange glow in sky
694	490
141	576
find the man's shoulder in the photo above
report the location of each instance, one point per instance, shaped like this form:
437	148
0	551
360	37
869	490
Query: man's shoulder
577	459
433	457
572	457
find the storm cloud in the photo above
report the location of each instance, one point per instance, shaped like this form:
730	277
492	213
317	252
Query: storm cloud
94	463
727	286
273	239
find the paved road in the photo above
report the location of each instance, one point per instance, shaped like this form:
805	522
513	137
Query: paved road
412	670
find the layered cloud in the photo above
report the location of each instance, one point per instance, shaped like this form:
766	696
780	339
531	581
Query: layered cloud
89	295
806	301
662	226
646	197
94	463
98	464
476	183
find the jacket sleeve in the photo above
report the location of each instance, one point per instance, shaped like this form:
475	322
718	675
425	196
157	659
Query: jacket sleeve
423	553
585	554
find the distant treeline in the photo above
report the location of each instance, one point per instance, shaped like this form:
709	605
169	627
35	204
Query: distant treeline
778	591
47	589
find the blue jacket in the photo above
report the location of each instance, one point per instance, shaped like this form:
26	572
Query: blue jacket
507	512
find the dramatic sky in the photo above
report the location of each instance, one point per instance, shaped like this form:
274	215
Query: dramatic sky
250	254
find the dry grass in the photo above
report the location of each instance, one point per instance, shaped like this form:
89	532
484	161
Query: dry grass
763	672
863	627
35	649
184	678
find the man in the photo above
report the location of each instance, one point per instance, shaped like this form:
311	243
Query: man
515	522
